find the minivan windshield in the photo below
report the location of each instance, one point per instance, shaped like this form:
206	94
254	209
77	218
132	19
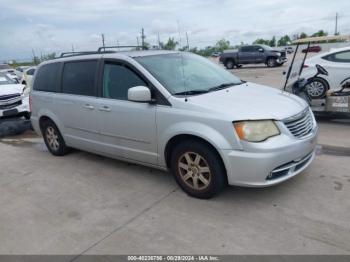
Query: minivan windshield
187	74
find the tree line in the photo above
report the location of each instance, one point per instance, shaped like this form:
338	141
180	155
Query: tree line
220	45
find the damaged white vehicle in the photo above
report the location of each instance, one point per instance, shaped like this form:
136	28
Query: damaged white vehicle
14	98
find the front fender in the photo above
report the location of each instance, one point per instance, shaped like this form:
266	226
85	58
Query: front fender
205	132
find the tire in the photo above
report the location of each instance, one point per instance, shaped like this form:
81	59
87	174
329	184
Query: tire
53	139
230	64
198	169
317	88
271	62
27	116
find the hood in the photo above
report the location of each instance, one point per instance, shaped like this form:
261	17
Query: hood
11	89
250	102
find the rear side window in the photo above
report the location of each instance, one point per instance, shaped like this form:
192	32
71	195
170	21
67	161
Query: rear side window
30	72
117	79
79	78
341	57
47	78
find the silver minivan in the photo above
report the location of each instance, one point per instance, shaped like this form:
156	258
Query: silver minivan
173	111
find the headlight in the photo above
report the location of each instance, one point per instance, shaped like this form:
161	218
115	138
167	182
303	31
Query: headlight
278	54
256	131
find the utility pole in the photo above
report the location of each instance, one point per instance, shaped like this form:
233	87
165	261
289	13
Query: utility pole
188	45
336	24
103	40
158	41
34	57
178	28
143	38
72	48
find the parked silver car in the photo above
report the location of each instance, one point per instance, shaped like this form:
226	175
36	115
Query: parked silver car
176	111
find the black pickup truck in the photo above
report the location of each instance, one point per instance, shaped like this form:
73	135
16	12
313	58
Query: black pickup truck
253	54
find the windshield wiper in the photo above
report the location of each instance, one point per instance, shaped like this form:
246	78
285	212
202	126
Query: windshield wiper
192	92
223	86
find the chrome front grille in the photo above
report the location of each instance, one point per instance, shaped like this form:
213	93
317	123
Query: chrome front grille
301	124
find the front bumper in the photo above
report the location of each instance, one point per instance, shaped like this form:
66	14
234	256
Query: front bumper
282	60
15	109
270	162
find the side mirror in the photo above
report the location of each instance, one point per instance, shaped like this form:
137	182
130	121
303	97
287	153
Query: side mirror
139	94
261	50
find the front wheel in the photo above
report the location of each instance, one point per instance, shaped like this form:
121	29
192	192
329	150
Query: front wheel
198	169
271	62
317	88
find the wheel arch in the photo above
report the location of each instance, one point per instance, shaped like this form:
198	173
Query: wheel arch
49	117
180	138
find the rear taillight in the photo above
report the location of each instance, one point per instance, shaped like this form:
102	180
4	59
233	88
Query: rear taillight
30	103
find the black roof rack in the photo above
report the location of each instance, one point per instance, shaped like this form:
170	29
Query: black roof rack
67	54
119	46
100	50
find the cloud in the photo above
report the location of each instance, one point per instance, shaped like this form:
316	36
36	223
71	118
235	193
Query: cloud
56	25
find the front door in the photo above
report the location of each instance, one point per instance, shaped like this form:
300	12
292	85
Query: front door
127	129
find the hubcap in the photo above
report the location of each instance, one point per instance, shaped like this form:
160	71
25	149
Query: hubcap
194	170
315	89
52	138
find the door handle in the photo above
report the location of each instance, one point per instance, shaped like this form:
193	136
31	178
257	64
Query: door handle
90	107
105	109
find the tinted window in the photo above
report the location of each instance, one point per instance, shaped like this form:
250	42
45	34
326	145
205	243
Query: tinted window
117	79
47	77
247	49
31	72
256	48
79	78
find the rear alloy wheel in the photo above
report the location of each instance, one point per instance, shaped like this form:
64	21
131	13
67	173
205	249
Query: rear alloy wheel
53	139
271	62
317	88
198	169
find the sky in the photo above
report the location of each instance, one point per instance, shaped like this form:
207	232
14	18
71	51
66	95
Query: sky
45	26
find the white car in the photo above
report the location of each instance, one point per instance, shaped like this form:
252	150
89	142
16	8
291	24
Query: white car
336	62
27	77
14	98
9	71
20	70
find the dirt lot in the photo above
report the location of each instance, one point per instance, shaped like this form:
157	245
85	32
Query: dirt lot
87	204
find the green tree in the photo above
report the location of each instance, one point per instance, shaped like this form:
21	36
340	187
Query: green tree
272	42
222	45
302	35
170	45
319	33
284	40
261	41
